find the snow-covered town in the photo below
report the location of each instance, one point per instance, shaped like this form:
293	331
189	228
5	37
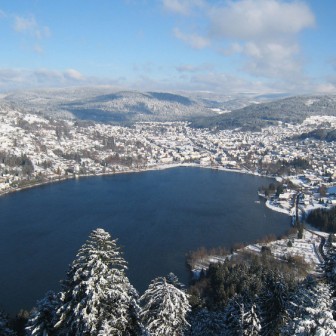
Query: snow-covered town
36	150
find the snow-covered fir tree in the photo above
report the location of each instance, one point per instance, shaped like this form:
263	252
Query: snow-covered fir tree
205	322
43	318
242	318
164	309
135	326
330	265
4	327
96	294
273	302
311	311
173	279
106	329
252	326
235	311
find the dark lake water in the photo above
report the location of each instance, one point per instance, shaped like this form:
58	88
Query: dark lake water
157	216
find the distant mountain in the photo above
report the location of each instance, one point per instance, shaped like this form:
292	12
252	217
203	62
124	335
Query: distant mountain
49	101
100	104
288	110
105	104
132	106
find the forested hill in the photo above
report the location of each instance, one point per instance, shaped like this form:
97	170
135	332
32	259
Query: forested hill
104	104
256	116
108	105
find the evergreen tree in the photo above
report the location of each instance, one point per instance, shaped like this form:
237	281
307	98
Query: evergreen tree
252	326
105	329
330	265
311	311
173	280
209	323
96	294
273	302
4	326
134	326
43	318
164	309
242	318
235	312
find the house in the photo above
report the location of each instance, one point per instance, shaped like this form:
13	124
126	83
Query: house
285	196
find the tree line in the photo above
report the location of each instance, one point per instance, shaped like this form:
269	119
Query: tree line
13	161
324	219
322	134
247	294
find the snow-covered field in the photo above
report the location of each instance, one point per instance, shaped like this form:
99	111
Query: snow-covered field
307	248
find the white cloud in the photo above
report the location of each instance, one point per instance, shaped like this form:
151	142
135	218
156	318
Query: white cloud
272	59
228	84
38	49
177	6
263	32
29	25
207	80
194	40
73	75
326	88
182	7
259	19
225	83
189	68
22	78
32	30
2	14
43	76
23	24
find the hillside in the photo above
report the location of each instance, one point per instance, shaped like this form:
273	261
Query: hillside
289	110
204	110
130	106
106	104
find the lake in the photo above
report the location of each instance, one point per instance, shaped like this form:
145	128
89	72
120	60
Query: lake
157	216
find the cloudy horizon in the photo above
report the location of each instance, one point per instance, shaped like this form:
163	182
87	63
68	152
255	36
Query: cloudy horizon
260	46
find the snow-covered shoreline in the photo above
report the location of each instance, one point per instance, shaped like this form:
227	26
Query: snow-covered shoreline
277	209
129	171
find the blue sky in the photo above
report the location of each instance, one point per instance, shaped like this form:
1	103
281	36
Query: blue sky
196	45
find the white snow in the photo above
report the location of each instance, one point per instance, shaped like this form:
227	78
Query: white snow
310	102
220	111
273	207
